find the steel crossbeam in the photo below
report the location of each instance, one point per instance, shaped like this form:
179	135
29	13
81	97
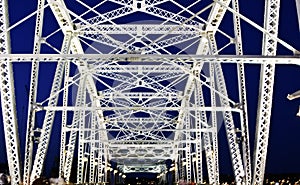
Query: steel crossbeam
110	15
178	60
136	68
135	29
172	17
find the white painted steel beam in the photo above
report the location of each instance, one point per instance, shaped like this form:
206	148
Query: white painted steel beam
186	60
269	48
242	96
8	101
32	95
49	117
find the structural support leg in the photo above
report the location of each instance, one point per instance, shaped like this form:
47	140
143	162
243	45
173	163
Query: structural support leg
32	95
181	166
73	133
176	170
198	150
81	158
230	130
8	100
211	144
242	96
49	117
228	120
188	149
92	149
266	91
100	162
64	121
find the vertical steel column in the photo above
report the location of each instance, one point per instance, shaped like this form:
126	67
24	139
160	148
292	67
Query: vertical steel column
100	162
81	138
49	117
269	48
188	146
210	139
181	166
92	150
229	125
8	100
214	125
106	163
32	94
64	121
73	134
230	129
199	120
242	95
176	174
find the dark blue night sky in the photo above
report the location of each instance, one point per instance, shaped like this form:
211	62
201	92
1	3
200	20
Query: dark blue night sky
284	141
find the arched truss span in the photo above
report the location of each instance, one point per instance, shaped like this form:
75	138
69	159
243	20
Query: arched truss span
138	83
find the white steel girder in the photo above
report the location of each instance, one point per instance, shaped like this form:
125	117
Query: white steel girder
64	121
242	97
73	133
181	61
8	100
269	48
49	117
228	119
82	159
32	95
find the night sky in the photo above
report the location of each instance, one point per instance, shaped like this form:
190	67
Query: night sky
284	138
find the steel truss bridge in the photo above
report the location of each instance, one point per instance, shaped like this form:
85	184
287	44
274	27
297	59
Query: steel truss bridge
137	83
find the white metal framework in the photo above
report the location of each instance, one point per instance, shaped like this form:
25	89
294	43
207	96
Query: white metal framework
138	83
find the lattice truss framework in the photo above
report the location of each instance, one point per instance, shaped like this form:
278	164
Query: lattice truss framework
137	83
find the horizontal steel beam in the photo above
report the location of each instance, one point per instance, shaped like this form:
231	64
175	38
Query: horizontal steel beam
134	68
137	108
144	146
139	29
135	119
141	95
246	59
131	129
158	157
140	142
